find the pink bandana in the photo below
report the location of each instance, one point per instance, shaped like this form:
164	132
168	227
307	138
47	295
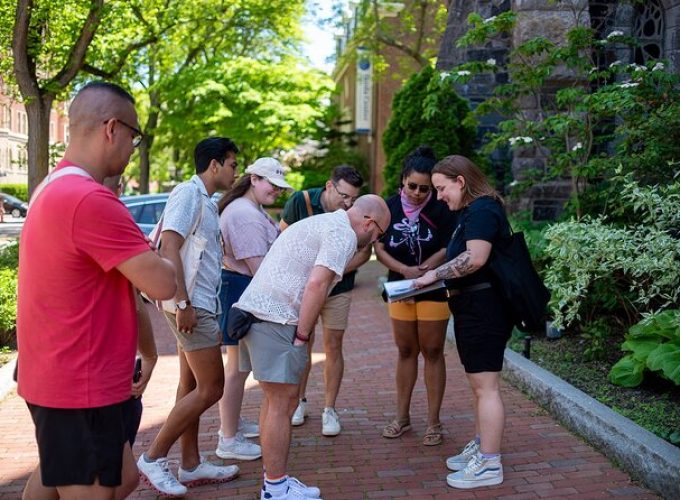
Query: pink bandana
411	210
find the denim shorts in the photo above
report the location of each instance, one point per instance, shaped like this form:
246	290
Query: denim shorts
233	285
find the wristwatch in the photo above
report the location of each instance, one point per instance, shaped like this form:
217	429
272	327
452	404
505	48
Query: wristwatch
182	304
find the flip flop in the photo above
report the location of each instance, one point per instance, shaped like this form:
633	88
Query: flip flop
433	435
395	429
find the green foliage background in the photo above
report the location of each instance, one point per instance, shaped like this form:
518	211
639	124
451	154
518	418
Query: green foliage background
426	110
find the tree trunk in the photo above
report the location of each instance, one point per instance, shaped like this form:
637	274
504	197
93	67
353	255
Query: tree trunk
38	112
145	146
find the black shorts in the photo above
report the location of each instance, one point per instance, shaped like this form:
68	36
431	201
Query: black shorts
482	326
132	417
79	446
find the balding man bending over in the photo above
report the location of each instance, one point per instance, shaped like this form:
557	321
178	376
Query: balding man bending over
80	256
285	297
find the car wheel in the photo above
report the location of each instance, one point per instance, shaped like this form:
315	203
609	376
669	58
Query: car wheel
16	213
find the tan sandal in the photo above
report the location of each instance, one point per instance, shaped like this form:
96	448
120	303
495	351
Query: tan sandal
395	429
433	435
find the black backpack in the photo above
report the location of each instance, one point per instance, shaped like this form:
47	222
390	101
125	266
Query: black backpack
521	285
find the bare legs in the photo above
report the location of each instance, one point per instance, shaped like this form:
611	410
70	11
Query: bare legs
232	399
201	384
334	367
489	409
279	404
413	338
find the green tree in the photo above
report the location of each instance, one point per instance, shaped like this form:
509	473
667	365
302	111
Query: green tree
426	110
264	105
51	42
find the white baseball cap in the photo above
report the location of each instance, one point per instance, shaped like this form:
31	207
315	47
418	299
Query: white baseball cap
270	169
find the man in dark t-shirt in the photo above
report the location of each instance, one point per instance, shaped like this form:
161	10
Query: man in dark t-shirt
339	193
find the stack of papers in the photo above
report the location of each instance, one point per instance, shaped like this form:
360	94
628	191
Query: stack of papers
403	289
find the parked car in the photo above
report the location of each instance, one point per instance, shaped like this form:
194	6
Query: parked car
13	205
146	209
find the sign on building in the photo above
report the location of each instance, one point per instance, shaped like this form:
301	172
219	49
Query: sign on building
363	118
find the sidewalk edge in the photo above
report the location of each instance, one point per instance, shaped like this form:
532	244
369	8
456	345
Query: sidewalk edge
7	383
639	452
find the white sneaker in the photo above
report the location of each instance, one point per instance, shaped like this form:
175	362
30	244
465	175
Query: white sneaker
300	413
207	473
296	490
247	428
240	449
478	472
157	475
308	491
330	422
458	462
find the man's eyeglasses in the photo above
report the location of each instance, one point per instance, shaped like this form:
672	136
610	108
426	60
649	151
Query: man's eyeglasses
380	230
344	196
137	135
422	188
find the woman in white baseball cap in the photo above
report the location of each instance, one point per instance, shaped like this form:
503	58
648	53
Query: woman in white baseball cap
248	233
270	169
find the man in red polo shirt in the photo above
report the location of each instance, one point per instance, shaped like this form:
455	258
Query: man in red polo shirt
80	256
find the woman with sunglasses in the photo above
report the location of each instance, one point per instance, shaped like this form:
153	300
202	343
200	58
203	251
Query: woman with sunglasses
248	233
414	243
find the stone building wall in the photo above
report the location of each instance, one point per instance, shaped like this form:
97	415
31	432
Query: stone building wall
656	21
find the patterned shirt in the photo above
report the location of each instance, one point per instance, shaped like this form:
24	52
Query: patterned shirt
275	293
181	213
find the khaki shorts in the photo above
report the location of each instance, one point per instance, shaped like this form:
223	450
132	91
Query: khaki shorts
205	334
269	352
335	312
425	310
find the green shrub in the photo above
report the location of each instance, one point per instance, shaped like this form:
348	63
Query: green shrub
18	190
654	345
8	305
426	110
9	262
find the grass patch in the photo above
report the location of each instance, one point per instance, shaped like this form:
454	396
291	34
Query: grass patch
654	405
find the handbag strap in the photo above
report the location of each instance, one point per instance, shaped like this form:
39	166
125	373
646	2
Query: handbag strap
308	202
62	172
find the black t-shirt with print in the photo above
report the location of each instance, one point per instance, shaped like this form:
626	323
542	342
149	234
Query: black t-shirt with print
414	243
484	219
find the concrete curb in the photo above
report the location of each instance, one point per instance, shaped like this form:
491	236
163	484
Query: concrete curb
7	383
639	452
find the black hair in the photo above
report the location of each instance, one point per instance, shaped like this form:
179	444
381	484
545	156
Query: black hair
348	174
109	87
212	148
421	160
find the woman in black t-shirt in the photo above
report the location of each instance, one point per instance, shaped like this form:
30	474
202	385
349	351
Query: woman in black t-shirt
414	242
481	316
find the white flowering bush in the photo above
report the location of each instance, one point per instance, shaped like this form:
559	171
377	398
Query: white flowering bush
638	265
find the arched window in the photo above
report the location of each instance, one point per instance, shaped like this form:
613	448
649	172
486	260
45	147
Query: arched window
648	28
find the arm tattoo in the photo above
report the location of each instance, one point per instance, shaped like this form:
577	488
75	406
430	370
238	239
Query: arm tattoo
460	266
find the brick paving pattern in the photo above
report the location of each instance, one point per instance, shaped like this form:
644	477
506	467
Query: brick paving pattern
541	459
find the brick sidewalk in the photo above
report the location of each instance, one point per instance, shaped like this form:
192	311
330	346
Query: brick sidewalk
541	459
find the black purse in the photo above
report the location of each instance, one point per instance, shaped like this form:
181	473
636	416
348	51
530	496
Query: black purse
239	323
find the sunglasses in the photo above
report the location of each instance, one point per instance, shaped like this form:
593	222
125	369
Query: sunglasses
380	230
422	188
